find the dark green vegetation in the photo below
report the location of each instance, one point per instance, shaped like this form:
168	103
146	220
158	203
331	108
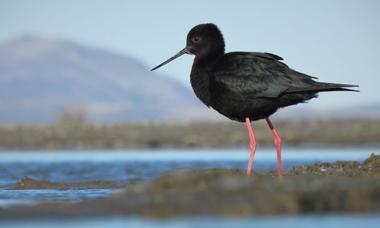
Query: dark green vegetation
82	135
321	188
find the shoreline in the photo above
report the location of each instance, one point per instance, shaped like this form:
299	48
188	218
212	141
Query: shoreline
87	136
191	148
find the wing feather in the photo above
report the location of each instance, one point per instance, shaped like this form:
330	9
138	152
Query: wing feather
255	75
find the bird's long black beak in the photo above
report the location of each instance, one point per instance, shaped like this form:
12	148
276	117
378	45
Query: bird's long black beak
183	51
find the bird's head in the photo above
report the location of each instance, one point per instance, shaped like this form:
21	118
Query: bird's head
203	41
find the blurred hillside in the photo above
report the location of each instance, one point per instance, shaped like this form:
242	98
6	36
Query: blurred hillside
42	78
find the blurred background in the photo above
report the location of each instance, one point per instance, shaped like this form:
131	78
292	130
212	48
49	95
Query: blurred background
93	57
77	73
75	81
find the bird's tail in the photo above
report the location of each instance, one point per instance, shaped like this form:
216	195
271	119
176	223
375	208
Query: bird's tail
323	87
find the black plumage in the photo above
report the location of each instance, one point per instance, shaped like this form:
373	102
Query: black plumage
257	84
245	86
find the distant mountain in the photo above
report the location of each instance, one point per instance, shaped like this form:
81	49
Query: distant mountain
42	78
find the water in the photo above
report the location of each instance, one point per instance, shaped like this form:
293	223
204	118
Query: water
123	166
304	221
10	197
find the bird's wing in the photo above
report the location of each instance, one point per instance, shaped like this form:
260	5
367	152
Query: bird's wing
256	75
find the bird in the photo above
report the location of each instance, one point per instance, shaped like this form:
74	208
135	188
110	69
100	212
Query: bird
246	86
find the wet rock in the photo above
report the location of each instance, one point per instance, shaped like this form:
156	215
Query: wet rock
29	183
370	167
372	164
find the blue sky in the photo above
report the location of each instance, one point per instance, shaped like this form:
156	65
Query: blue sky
337	41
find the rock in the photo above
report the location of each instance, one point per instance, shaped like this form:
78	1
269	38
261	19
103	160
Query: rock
29	183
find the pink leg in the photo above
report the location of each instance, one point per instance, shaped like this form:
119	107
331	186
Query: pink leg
277	141
252	141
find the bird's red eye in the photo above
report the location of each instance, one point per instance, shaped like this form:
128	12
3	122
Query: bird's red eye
196	39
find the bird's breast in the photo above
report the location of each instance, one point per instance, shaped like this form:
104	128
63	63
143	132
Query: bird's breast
200	81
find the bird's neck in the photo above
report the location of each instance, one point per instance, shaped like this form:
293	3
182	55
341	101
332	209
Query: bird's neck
210	58
200	78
